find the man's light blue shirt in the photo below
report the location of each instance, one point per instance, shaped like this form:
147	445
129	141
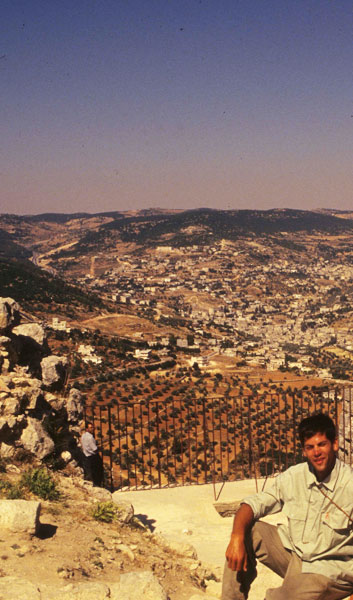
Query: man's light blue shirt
319	532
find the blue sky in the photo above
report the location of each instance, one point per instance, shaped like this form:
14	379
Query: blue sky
119	105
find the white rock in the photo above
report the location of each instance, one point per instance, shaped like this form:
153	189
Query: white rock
53	369
100	494
36	440
9	313
10	406
31	330
20	515
176	546
7	451
125	510
141	585
66	456
74	406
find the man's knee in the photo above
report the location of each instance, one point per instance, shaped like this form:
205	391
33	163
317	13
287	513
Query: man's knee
267	547
308	586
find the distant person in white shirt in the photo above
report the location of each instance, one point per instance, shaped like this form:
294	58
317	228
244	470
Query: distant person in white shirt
92	461
313	552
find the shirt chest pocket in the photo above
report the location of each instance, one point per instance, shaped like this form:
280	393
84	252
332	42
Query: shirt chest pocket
337	521
296	515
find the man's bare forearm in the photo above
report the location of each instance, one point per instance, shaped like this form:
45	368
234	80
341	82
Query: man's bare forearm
236	551
243	520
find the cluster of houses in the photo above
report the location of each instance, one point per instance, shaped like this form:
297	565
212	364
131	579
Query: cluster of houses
234	301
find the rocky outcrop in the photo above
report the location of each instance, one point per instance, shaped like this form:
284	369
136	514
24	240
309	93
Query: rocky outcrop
34	439
54	371
32	408
33	331
125	510
9	314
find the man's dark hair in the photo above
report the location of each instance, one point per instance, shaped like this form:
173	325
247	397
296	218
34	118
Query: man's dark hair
317	423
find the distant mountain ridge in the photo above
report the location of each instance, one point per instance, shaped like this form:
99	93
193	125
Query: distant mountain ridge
243	215
41	255
151	227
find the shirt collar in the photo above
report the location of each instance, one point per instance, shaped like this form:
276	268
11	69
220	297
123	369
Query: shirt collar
330	480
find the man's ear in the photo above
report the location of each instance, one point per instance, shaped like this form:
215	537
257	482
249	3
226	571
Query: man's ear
335	445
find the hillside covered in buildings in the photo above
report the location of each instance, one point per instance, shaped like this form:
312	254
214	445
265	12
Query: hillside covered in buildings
180	327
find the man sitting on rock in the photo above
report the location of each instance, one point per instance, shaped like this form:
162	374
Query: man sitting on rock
92	462
314	551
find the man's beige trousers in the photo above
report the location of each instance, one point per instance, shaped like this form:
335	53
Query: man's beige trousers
265	545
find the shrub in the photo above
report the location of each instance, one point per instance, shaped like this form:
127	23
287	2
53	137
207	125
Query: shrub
14	492
10	491
104	511
40	482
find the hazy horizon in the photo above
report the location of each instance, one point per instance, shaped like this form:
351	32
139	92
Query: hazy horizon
125	106
158	208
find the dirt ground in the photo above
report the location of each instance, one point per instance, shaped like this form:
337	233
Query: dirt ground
71	546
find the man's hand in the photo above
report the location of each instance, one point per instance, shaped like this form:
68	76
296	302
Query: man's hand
236	553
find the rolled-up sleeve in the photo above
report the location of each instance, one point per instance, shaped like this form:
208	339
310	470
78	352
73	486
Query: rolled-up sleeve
266	503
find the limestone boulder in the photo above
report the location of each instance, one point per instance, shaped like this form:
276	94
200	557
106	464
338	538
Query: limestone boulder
74	406
20	515
56	402
174	545
125	510
28	391
9	405
66	456
33	331
36	440
7	450
3	386
8	354
4	342
29	345
54	370
11	427
137	586
9	314
100	494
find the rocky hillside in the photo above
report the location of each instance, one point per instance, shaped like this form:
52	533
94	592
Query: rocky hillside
36	420
84	543
72	555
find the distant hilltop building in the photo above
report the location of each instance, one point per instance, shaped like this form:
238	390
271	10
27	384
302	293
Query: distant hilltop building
88	355
143	354
202	361
59	325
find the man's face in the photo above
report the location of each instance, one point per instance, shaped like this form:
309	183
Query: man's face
321	454
90	428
